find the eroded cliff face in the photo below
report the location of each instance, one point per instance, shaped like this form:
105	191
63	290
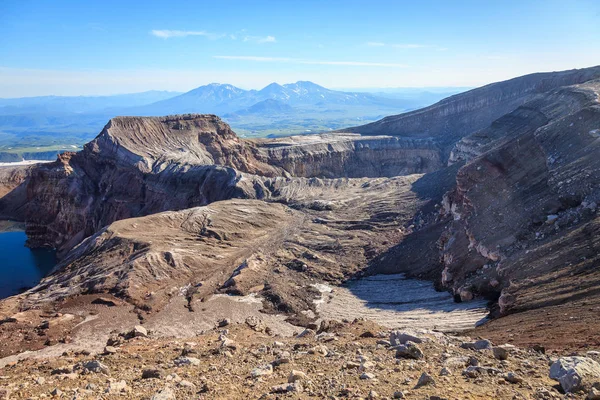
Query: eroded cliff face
141	166
13	181
524	211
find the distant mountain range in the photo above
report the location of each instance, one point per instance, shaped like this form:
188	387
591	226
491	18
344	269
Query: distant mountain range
52	123
219	98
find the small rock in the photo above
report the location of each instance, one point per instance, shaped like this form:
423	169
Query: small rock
424	380
409	350
110	350
306	332
262	370
367	375
296	376
94	366
228	343
117	387
513	378
445	372
137	331
152	374
320	350
186	384
384	342
185	361
255	323
501	353
61	371
39	380
223	323
165	394
539	348
472	371
398	395
287	387
399	337
372	395
367	334
56	392
477	345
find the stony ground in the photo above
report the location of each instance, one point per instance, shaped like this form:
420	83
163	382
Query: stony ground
244	361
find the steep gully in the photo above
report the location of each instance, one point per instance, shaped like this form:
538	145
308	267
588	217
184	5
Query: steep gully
512	218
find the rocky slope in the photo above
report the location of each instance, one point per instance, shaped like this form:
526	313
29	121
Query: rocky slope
460	115
160	216
349	360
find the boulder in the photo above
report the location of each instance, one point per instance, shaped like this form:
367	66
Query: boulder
575	373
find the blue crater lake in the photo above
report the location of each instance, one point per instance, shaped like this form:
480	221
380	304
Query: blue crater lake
21	268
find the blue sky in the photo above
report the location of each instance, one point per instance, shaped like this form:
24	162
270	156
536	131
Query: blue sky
103	47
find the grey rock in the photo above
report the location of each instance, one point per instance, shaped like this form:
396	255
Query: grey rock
185	361
164	394
472	371
409	350
425	379
500	353
399	337
513	378
477	345
575	373
94	366
262	370
367	376
137	331
287	387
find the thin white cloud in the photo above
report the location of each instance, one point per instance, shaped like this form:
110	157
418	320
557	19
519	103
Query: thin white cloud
310	62
260	39
167	34
398	45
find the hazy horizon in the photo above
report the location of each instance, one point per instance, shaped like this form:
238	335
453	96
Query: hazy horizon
73	48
